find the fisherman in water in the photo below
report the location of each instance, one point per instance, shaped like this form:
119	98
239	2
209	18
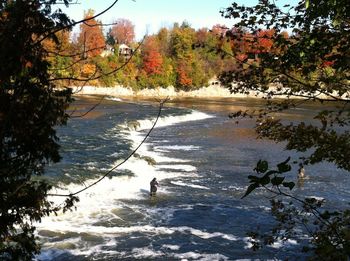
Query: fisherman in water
301	171
154	185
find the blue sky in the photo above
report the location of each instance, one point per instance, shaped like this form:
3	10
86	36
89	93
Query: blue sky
150	15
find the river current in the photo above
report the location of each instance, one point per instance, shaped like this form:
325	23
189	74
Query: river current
201	159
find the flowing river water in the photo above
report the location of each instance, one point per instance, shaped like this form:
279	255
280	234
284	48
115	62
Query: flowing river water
201	159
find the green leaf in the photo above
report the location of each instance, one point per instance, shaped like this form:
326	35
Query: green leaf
235	14
277	180
307	4
325	215
265	180
289	185
250	189
262	166
270	172
283	166
336	22
253	179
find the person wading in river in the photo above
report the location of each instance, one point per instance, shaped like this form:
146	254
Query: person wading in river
154	185
301	171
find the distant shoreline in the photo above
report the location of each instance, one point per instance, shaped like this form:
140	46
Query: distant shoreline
212	91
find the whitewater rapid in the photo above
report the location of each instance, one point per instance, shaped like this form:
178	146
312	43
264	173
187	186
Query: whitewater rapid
104	203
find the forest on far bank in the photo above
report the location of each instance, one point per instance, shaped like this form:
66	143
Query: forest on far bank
179	56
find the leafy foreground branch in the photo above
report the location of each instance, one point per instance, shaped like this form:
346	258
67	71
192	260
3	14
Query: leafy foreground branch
32	105
309	64
328	231
30	109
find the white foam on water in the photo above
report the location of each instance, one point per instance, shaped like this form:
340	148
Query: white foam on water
146	252
180	183
286	243
92	164
111	234
199	256
178	147
171	247
49	254
187	168
247	241
88	251
97	203
171	120
115	231
316	197
235	187
113	99
278	244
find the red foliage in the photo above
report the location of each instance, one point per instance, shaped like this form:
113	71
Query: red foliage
265	41
246	43
152	59
327	63
202	35
241	57
91	36
113	65
123	31
219	29
183	78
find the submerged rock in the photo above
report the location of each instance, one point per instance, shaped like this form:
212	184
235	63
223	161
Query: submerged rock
133	125
151	161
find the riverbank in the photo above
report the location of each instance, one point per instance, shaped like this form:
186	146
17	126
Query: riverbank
212	91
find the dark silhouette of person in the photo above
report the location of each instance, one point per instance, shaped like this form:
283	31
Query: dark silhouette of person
154	184
301	171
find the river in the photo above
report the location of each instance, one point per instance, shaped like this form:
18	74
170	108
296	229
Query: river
202	160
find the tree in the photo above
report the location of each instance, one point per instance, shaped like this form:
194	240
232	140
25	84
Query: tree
312	64
207	44
164	40
109	38
182	39
59	54
31	106
123	31
91	39
219	30
152	59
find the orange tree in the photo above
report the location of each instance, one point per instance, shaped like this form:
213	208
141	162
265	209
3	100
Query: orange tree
91	39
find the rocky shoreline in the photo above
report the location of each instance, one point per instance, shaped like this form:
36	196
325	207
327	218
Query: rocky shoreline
212	91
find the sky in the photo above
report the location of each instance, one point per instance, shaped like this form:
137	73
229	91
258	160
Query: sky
149	16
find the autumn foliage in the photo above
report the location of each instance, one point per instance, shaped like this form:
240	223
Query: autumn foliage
179	56
123	31
152	59
184	79
91	39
